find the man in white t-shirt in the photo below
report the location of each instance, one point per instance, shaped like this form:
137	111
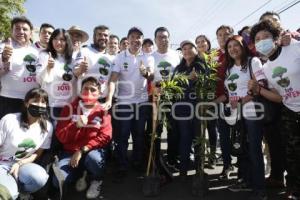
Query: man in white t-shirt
113	45
96	62
165	61
131	69
45	32
18	66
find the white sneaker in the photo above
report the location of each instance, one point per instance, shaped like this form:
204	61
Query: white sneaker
81	183
94	189
25	196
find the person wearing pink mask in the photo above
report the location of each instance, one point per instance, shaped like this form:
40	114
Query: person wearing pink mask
84	133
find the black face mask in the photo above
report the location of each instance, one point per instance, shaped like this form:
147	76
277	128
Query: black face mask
36	111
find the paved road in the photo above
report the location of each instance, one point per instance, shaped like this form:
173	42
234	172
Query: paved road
131	188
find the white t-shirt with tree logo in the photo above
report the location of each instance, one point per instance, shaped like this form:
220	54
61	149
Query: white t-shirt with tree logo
59	83
99	66
132	86
164	64
283	74
236	83
22	76
17	142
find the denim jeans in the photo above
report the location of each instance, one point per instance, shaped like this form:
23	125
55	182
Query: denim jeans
252	163
212	135
188	125
224	134
93	162
131	119
31	178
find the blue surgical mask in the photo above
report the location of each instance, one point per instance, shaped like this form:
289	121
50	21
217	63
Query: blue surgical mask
265	46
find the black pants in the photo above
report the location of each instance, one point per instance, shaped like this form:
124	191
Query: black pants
276	149
10	105
290	128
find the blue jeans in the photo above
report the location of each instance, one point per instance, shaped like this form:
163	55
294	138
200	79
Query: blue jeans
188	126
131	119
212	135
31	178
93	162
224	134
252	163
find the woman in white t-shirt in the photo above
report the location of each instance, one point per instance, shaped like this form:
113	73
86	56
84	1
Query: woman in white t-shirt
282	71
240	69
23	137
57	77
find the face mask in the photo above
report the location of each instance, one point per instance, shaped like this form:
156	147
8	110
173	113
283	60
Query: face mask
87	98
36	111
265	46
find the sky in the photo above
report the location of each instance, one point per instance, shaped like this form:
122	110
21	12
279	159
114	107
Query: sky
185	19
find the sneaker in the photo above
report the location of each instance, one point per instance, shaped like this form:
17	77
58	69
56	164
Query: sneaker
225	173
25	196
240	186
94	190
81	183
258	196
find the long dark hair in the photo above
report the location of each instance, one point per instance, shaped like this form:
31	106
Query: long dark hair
69	46
35	93
206	39
245	52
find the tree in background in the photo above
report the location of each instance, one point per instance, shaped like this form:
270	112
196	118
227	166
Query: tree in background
8	9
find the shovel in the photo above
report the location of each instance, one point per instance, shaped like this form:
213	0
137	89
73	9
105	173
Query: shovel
151	185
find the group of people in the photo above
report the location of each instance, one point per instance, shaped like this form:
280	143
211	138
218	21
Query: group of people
84	101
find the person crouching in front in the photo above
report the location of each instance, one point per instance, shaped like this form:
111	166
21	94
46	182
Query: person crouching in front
84	135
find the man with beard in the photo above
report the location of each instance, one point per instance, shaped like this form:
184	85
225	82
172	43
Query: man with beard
96	62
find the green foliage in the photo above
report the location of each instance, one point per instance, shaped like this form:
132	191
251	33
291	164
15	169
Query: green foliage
278	72
206	83
8	9
173	89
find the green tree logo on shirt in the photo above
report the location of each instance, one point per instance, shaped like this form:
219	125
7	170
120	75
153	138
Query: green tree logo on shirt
67	76
24	147
103	65
278	72
164	65
30	62
232	86
125	65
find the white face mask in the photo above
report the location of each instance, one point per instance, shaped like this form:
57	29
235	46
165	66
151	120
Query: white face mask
265	46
